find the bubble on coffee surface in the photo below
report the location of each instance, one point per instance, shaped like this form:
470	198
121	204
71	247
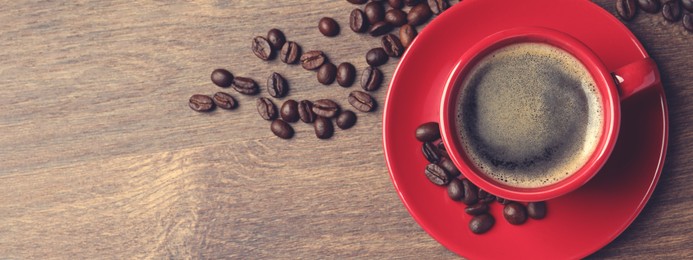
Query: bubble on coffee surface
529	115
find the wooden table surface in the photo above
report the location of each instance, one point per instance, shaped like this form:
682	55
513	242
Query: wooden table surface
100	156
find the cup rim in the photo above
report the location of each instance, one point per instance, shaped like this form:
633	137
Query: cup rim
605	86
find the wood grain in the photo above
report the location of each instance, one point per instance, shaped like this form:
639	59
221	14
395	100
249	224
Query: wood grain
101	158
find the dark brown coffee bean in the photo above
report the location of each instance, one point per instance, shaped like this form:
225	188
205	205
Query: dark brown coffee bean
262	48
503	201
470	192
357	2
438	6
371	78
277	86
246	86
396	17
649	6
455	189
626	9
201	103
323	127
407	34
290	53
687	4
358	22
313	60
392	46
485	197
376	57
222	78
346	73
276	38
430	152
428	132
224	100
442	151
305	111
481	224
325	108
449	166
411	2
419	14
671	11
289	111
536	210
437	175
361	101
396	4
380	28
515	213
346	119
476	209
375	12
328	27
282	129
327	73
266	108
688	22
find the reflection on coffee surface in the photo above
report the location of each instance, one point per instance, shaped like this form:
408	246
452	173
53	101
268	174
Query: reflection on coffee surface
529	115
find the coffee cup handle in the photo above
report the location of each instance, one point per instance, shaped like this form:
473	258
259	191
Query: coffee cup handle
636	77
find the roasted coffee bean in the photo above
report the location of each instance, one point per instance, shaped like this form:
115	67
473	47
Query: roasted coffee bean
266	108
442	151
437	175
346	73
687	4
688	22
371	78
246	86
671	11
357	2
201	103
328	27
455	189
290	53
438	6
396	4
282	129
392	46
358	22
277	86
481	224
515	213
289	111
411	2
224	100
276	38
375	12
485	197
325	108
361	101
503	201
407	33
380	28
305	111
536	210
262	48
649	6
396	17
327	73
448	165
346	119
428	132
313	60
419	14
323	127
470	192
376	57
476	209
222	78
626	9
430	152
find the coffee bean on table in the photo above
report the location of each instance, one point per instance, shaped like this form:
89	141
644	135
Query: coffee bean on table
396	17
437	175
276	38
323	127
266	108
407	33
687	4
222	78
688	22
346	119
448	165
357	2
361	101
376	57
442	151
305	111
262	48
328	27
246	86
430	152
476	209
346	73
380	28
515	213
282	129
428	132
411	2
626	9
290	53
392	45
325	108
671	11
485	197
481	224
358	22
371	78
312	60
201	103
327	73
375	12
289	111
396	4
470	192
649	6
419	14
277	85
224	100
536	210
455	189
438	6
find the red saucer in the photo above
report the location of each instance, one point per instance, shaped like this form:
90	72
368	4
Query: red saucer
577	224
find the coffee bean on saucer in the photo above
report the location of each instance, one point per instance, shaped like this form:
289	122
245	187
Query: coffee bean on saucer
266	108
305	111
262	48
289	111
626	9
481	224
276	38
449	166
282	129
407	33
222	78
430	152
328	27
346	73
277	86
361	101
419	14
671	11
357	2
346	119
428	132
411	2
325	108
371	78
323	127
470	192
312	60
246	86
396	17
455	189
376	57
438	6
290	53
536	210
327	73
201	103
476	209
649	6
396	4
437	175
392	45
358	22
224	100
515	213
375	12
380	28
687	4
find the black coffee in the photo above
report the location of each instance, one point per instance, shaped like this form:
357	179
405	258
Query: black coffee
529	115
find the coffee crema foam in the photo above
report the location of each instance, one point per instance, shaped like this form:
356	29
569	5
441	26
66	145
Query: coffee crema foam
529	115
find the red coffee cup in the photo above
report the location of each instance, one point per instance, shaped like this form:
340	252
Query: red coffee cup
612	88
